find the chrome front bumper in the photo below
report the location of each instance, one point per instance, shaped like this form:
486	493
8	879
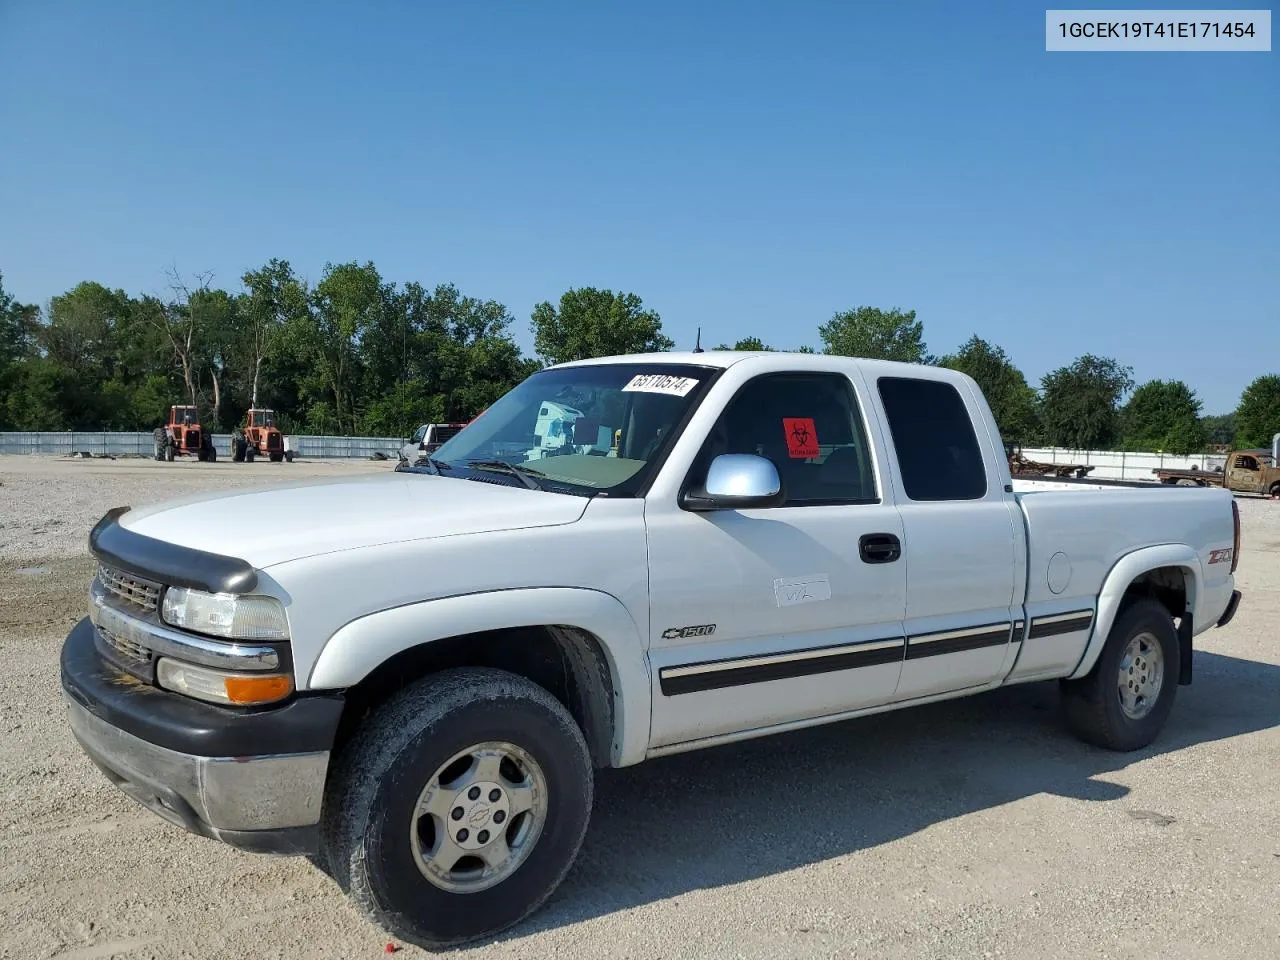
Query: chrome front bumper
269	804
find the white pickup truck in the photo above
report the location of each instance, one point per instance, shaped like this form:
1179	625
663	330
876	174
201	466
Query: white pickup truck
412	677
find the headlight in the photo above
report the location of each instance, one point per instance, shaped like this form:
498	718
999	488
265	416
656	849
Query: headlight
222	686
249	617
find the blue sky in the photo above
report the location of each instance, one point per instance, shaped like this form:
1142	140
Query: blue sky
750	168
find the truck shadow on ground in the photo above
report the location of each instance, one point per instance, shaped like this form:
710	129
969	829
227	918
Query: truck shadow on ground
735	813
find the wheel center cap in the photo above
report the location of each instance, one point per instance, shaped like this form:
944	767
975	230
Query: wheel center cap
479	815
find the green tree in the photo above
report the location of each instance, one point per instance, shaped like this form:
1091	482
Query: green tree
347	302
273	296
81	334
1078	402
1012	400
1220	428
596	323
19	325
877	334
1258	416
1163	415
747	344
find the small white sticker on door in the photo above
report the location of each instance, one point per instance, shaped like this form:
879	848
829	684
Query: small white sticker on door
792	590
660	383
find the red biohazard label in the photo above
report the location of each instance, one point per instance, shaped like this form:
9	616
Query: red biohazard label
802	437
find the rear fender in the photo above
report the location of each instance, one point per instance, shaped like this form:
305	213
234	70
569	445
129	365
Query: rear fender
357	648
1127	569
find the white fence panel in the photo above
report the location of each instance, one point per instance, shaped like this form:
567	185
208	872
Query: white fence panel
117	444
1123	465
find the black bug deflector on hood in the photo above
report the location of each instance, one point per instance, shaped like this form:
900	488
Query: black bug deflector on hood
165	562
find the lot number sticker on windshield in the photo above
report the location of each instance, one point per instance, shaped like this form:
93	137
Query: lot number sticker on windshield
660	383
802	437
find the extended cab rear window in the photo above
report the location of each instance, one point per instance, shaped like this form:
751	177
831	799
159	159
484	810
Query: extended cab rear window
937	450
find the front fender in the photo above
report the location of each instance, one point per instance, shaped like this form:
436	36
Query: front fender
1125	571
357	648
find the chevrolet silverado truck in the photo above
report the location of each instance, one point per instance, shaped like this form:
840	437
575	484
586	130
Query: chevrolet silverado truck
418	692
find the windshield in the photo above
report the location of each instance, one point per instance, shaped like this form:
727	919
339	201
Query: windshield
263	418
585	429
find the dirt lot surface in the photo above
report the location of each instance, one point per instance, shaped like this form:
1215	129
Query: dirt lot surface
977	828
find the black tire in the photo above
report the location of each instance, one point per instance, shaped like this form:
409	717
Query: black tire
213	454
375	786
1093	704
168	451
277	457
1275	490
250	451
288	456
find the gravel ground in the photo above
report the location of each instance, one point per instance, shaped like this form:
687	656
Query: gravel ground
976	828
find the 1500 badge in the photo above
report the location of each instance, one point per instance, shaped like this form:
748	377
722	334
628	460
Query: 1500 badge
684	633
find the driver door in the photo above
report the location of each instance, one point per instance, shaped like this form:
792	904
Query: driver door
1245	474
768	616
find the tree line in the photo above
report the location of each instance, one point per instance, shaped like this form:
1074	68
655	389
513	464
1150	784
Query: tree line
356	354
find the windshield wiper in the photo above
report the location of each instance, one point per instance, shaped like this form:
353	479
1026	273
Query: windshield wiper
434	466
523	474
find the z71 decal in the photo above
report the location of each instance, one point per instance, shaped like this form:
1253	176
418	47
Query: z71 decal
684	633
1220	556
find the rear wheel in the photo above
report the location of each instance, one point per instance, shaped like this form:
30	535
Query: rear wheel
1125	700
1275	490
458	807
237	449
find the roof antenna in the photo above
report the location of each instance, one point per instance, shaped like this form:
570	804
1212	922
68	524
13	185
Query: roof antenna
697	346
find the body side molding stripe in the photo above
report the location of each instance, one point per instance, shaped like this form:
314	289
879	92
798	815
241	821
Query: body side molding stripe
718	674
959	641
1060	623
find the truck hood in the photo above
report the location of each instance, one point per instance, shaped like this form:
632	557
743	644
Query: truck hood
293	521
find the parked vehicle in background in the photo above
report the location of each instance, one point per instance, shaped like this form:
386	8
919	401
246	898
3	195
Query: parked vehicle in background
426	440
413	675
1020	466
1246	471
183	436
260	437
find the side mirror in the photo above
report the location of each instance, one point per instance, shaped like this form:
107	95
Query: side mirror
737	481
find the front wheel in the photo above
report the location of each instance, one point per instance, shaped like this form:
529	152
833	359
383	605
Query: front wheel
458	807
1124	701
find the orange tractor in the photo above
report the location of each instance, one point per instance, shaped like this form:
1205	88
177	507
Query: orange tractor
259	437
183	436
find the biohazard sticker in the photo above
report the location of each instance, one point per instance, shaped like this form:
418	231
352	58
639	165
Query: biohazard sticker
802	437
660	383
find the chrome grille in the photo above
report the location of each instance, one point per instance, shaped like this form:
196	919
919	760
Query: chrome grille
132	591
125	647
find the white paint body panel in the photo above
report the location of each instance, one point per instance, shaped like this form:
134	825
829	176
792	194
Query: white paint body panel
372	566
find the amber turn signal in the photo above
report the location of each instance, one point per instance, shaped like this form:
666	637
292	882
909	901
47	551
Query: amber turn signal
249	690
